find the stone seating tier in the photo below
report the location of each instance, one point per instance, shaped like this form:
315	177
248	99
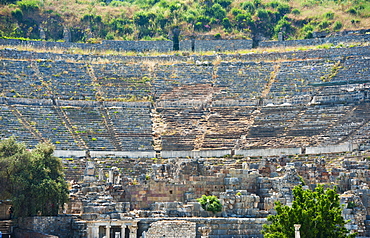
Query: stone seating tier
201	105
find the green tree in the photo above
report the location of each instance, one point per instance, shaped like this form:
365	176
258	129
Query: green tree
319	212
210	203
33	180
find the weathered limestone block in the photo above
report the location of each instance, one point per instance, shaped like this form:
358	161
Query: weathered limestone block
239	203
123	207
89	174
172	229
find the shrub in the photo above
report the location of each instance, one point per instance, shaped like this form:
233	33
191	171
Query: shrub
210	203
352	11
307	31
329	15
337	26
283	9
226	23
273	4
324	24
296	11
29	5
110	36
198	26
263	15
224	3
216	11
17	14
117	4
217	36
248	6
236	11
141	18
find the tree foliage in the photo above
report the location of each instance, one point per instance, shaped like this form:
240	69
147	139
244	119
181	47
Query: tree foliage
319	212
33	180
210	203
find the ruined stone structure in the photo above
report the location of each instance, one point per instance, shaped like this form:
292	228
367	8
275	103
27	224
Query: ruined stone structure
143	136
160	195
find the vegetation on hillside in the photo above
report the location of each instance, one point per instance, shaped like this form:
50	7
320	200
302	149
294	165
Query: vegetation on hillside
318	212
32	180
210	204
156	19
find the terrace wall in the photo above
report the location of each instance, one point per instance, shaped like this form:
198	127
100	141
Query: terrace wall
186	45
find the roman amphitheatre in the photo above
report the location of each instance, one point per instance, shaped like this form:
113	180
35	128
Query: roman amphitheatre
143	135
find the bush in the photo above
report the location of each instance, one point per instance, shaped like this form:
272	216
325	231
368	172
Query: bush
283	24
29	5
307	31
324	24
109	36
141	18
296	11
224	3
337	26
352	11
117	4
329	15
236	11
198	26
248	6
243	20
210	203
283	9
17	14
226	23
216	11
273	4
263	15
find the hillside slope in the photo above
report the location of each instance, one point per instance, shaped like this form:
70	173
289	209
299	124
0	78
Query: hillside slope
156	19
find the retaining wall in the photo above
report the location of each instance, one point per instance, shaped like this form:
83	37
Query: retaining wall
331	149
315	41
161	46
211	153
102	154
186	45
215	45
266	56
194	154
269	152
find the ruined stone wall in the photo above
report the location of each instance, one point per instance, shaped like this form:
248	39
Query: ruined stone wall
60	226
171	229
154	191
139	46
216	227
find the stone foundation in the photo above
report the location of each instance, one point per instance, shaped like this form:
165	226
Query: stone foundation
171	229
